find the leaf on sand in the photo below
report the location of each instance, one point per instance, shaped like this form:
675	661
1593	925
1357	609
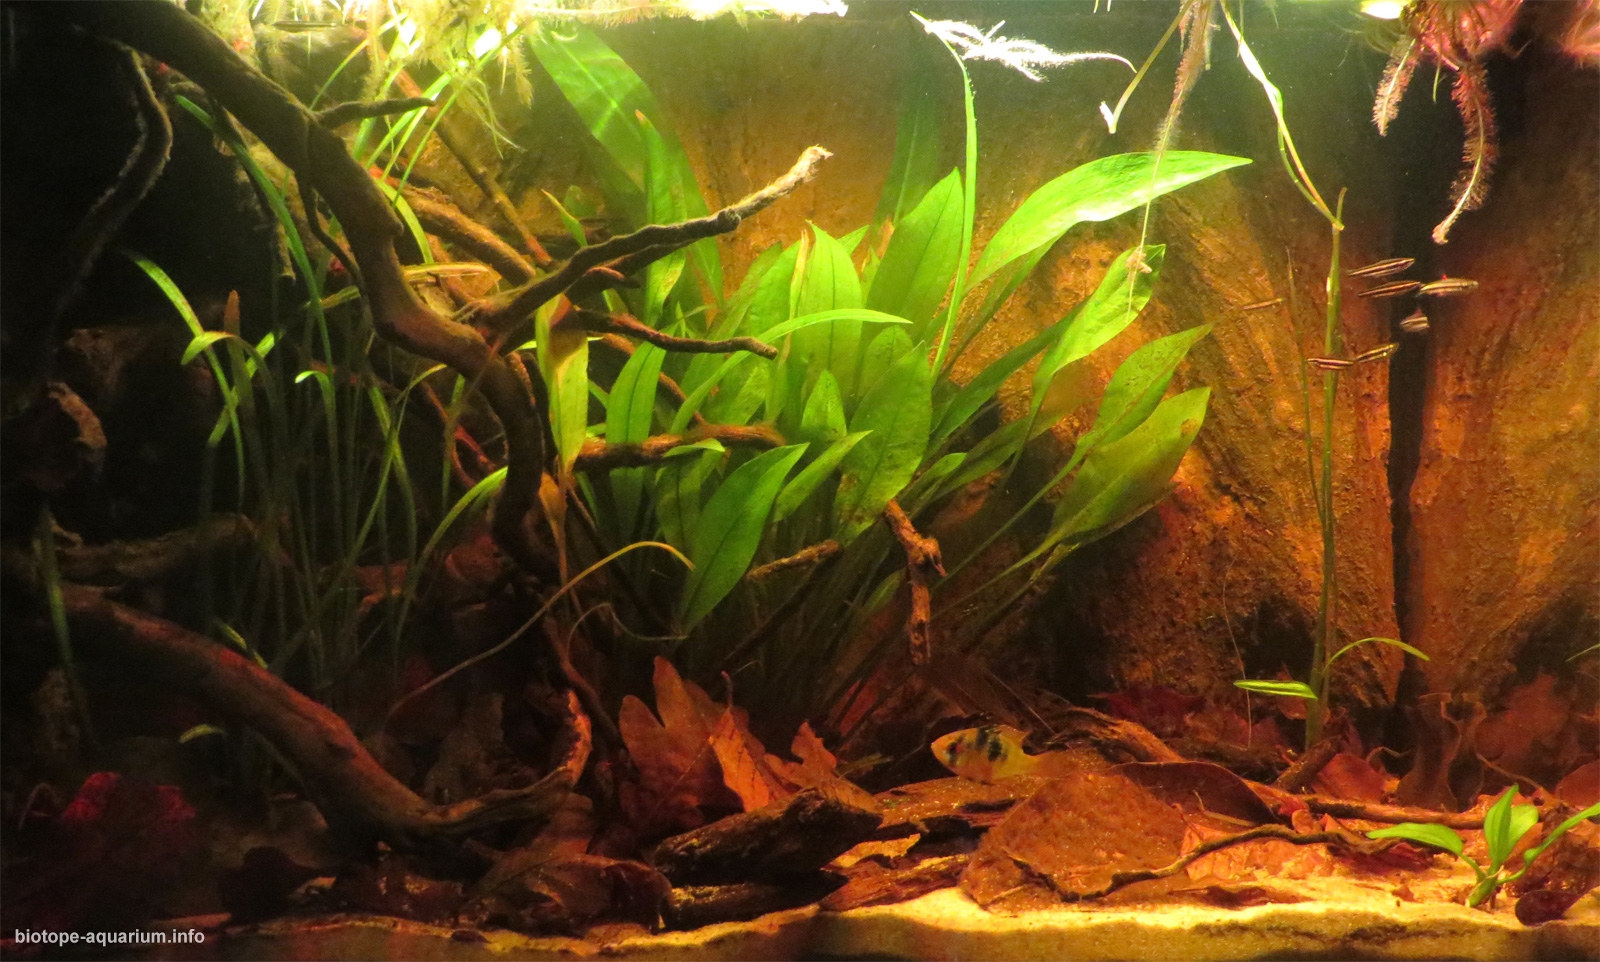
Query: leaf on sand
1350	776
1069	839
816	763
1199	788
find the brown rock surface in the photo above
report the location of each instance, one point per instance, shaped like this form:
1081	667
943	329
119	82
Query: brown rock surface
1505	546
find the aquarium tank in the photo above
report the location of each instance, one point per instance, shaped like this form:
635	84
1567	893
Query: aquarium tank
800	479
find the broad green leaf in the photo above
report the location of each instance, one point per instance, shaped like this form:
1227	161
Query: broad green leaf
852	240
563	355
678	492
829	283
1119	481
772	302
889	346
823	418
738	308
1504	824
1096	191
991	451
1138	385
1106	313
572	224
608	97
1428	834
724	541
1286	689
920	263
1593	811
664	204
812	475
917	143
628	412
919	492
740	395
976	393
899	412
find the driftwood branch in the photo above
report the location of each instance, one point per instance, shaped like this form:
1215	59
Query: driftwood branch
1307	766
923	565
341	114
148	158
627	325
804	558
119	562
444	219
318	155
352	790
1122	879
658	239
597	455
454	139
1375	812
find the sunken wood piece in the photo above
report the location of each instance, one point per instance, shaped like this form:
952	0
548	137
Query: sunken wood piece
598	322
924	563
639	248
899	885
1374	812
792	837
696	905
119	562
1307	766
1117	739
319	157
451	134
148	158
440	217
355	794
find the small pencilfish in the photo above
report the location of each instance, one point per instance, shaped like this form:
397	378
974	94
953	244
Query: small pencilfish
1376	354
1330	363
1384	268
1448	287
1417	323
1392	289
985	754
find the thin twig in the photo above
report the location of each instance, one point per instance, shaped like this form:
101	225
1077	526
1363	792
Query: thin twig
668	237
597	455
923	563
337	116
627	325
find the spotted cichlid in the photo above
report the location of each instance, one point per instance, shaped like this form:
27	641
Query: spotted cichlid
985	754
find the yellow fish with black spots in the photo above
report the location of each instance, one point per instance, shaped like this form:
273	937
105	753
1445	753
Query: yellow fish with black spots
985	754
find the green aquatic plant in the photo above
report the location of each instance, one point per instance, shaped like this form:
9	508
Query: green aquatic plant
1323	656
796	547
1504	825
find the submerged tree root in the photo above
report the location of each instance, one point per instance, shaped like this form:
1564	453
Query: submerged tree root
355	794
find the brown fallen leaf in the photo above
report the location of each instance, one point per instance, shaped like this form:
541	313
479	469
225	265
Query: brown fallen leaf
1199	788
1541	733
1069	839
678	768
1349	776
1581	787
817	764
744	763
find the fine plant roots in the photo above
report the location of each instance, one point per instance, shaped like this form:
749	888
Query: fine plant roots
355	793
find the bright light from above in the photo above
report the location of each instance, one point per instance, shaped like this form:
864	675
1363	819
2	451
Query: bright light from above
1384	9
707	9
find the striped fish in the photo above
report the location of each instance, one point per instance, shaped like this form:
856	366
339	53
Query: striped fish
1416	323
1448	287
1384	268
1392	289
